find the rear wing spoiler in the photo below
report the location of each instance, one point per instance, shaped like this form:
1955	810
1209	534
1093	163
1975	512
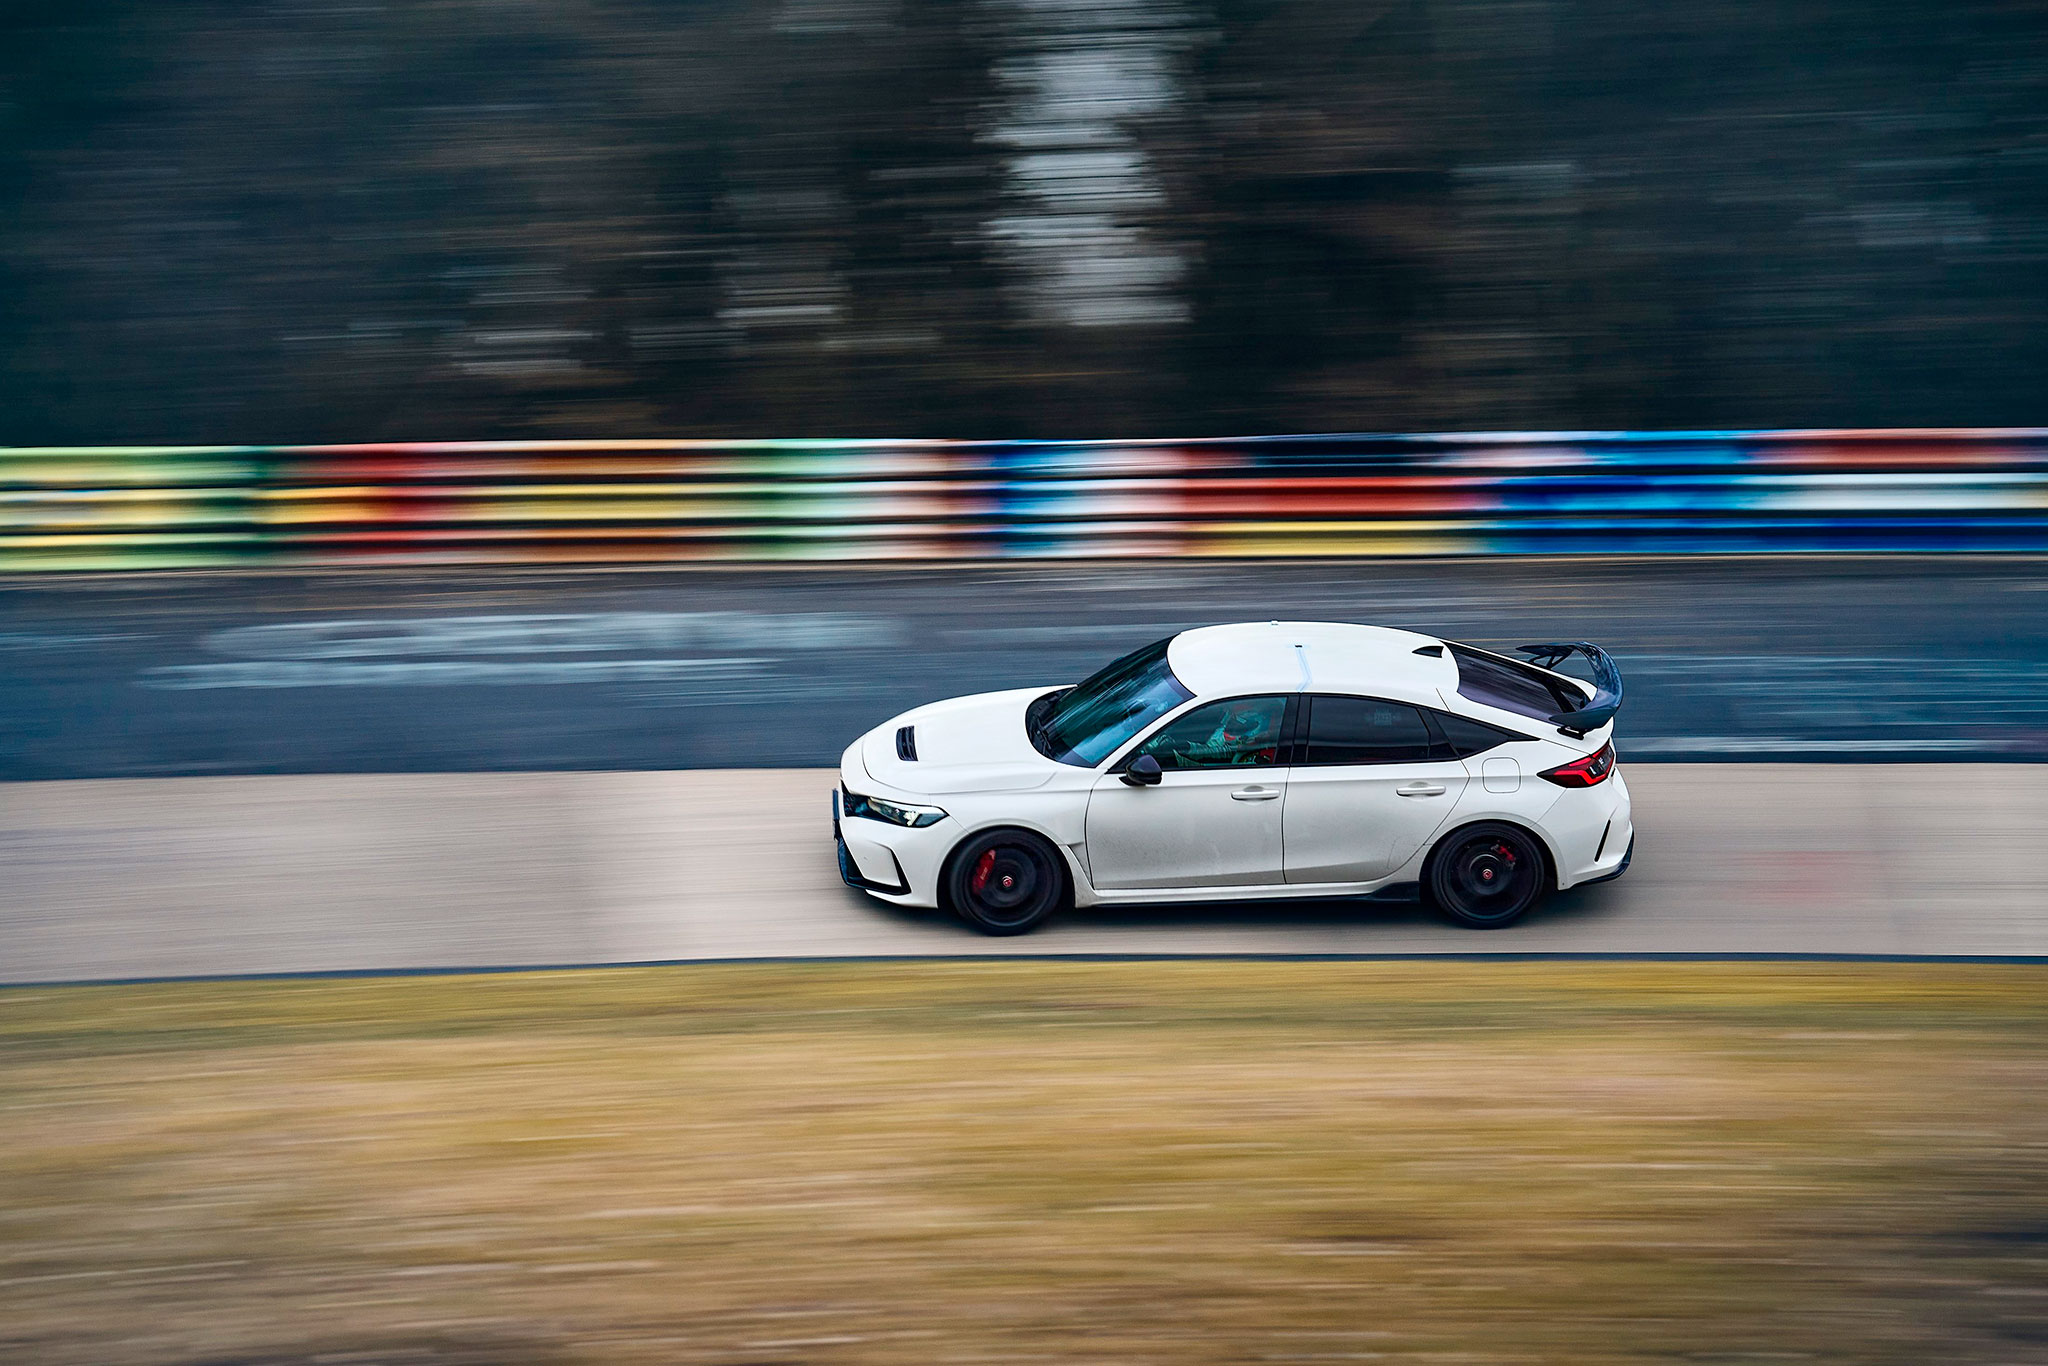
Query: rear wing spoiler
1606	683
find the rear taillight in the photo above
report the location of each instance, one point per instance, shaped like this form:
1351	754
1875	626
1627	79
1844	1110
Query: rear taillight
1586	772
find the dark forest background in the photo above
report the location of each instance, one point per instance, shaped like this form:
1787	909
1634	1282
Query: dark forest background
459	218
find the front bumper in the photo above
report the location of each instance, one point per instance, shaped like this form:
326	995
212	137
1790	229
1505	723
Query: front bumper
849	870
899	864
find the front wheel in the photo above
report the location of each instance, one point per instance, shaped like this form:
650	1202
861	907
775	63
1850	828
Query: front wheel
1487	876
1005	881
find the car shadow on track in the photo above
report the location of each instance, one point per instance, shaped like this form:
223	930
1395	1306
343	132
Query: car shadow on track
1364	919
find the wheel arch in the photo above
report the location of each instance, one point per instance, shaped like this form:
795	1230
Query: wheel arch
1552	860
1076	875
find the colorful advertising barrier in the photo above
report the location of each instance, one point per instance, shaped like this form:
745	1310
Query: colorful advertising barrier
534	502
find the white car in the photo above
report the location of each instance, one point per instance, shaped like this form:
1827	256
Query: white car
1279	759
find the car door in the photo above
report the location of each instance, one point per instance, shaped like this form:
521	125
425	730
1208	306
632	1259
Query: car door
1214	819
1370	786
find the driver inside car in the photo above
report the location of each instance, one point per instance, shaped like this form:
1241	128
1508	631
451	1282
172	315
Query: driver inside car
1246	735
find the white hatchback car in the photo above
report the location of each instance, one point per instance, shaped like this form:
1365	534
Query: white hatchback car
1281	759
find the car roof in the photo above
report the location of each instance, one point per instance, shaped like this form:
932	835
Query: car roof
1313	656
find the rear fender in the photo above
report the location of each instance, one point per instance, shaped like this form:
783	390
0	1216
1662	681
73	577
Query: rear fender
1549	849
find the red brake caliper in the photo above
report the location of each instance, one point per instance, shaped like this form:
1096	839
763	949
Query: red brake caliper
983	866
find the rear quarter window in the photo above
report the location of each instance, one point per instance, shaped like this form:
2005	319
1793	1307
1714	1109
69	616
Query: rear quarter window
1468	737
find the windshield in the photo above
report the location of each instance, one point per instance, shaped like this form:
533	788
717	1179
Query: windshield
1086	724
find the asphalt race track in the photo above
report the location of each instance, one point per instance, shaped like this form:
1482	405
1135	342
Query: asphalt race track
468	670
243	773
204	876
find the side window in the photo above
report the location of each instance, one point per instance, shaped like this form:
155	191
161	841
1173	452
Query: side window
1469	737
1244	733
1360	730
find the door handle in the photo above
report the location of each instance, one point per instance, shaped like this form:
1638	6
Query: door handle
1421	789
1257	794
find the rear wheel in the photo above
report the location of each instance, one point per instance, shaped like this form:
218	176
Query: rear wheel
1487	875
1005	881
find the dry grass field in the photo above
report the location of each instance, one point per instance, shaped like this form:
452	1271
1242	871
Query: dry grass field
1187	1162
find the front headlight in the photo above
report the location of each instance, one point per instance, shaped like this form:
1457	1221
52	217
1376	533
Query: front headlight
895	813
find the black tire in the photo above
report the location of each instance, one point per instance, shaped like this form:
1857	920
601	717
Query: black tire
1005	881
1487	875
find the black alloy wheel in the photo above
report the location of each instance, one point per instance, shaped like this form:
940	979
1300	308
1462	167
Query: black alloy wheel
1005	881
1487	876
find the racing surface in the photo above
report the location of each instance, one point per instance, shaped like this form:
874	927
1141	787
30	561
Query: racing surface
466	670
209	876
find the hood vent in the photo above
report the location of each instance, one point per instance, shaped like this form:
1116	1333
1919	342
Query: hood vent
906	743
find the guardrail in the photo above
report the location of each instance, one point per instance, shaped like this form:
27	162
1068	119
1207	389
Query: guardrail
622	501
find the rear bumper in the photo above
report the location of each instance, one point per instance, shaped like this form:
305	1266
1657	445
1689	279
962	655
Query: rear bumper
1627	855
1592	832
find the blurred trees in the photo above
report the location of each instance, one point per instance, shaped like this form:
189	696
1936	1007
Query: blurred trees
331	221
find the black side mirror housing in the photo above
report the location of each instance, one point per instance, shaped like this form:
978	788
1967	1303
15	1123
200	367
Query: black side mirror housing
1143	772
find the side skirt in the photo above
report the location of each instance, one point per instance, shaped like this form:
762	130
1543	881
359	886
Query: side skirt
1306	891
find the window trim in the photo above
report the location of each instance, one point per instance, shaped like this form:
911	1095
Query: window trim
1286	746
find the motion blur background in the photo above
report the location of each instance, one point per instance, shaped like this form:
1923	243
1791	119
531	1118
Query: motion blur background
307	222
337	340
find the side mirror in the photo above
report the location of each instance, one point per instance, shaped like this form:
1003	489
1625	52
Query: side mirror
1143	772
